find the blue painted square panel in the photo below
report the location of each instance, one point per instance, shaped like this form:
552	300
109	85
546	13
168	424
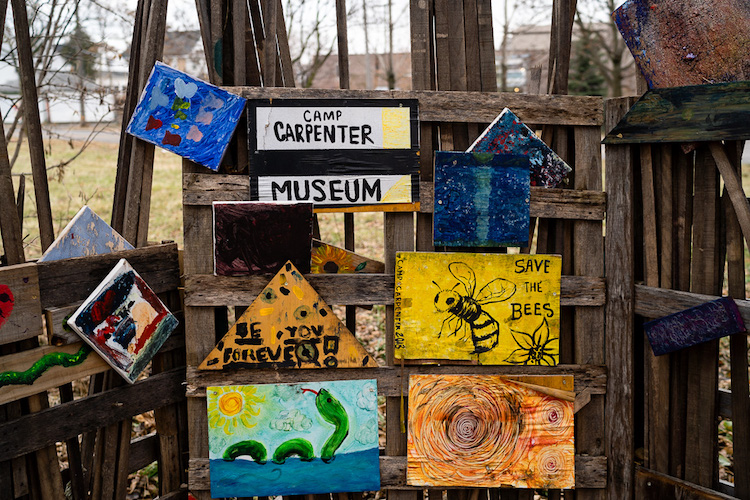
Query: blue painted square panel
186	116
481	199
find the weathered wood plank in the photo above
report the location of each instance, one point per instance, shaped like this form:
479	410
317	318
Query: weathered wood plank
457	106
653	302
733	186
63	282
711	112
390	378
207	290
203	189
652	485
71	419
19	303
740	404
58	375
10	224
619	256
701	465
591	472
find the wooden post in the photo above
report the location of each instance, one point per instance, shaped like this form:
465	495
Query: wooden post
738	344
33	123
619	257
589	329
399	236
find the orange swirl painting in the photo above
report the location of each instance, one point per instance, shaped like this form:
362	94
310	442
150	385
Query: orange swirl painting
490	431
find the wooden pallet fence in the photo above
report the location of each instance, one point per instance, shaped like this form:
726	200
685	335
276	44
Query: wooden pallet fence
583	288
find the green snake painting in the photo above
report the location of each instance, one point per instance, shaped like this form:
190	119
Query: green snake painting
332	412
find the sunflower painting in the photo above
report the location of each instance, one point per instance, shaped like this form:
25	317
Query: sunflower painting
232	406
328	259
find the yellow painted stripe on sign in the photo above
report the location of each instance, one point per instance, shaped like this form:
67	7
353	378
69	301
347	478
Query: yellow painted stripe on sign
396	128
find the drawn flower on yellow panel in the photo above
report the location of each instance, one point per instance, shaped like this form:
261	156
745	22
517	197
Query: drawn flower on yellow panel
537	348
231	406
327	259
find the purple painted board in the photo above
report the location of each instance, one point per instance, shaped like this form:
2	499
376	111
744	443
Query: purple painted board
186	116
481	199
696	325
687	42
257	238
507	134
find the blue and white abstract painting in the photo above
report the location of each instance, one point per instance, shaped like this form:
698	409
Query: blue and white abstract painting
186	116
508	134
481	199
86	234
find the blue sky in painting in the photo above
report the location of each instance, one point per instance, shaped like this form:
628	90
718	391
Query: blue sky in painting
186	116
481	200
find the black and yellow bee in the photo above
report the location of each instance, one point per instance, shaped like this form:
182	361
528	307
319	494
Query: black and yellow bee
465	311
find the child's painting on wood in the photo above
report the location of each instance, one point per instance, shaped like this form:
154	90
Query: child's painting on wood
124	321
693	326
498	309
86	234
288	326
481	199
293	439
186	116
258	238
487	431
508	134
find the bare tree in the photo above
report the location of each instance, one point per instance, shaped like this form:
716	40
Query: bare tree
311	30
613	58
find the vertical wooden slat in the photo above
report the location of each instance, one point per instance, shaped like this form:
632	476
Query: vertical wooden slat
285	57
10	224
399	236
619	258
702	378
131	99
589	321
270	11
422	75
33	123
738	344
457	67
198	259
486	46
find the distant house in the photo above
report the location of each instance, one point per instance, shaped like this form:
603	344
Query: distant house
528	47
183	50
360	65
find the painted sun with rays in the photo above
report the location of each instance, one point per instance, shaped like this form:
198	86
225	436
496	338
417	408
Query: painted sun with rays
229	405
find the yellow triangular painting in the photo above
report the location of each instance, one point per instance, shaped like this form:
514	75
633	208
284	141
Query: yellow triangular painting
288	326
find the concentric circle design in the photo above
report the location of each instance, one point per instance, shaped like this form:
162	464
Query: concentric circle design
551	465
468	427
556	416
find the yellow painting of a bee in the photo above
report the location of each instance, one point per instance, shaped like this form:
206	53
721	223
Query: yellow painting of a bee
464	310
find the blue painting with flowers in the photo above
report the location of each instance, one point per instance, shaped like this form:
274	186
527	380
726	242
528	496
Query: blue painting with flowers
186	116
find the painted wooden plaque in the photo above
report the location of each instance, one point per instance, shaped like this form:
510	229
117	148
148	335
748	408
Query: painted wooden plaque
508	134
20	308
494	309
335	153
715	112
481	199
289	326
293	439
258	238
186	116
694	326
329	259
487	431
687	42
86	234
124	321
